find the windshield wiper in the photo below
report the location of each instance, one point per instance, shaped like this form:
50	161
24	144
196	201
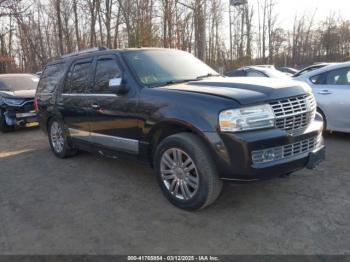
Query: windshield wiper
207	75
173	82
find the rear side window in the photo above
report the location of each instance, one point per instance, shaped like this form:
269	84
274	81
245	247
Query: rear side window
79	78
50	78
106	69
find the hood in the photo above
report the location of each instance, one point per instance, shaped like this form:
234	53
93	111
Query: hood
245	90
20	94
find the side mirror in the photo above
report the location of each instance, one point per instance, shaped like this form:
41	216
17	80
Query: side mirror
117	87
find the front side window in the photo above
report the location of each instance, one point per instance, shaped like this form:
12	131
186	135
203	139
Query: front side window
106	69
339	77
157	67
319	79
334	77
79	78
50	78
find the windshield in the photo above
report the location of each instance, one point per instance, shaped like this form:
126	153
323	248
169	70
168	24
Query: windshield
157	67
275	73
18	82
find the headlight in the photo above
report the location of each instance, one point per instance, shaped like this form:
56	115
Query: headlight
12	101
247	118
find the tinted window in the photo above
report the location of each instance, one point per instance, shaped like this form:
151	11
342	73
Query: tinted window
50	78
106	69
253	73
236	73
79	78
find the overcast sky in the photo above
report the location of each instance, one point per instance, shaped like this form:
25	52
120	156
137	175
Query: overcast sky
288	8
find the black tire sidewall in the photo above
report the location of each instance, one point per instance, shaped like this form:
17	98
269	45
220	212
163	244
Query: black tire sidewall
201	196
324	119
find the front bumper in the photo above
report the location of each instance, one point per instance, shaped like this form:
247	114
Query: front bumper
20	116
233	152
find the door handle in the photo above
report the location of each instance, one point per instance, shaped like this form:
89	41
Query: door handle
325	92
95	106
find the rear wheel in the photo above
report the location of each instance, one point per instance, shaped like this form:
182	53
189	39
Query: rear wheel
186	173
58	140
4	127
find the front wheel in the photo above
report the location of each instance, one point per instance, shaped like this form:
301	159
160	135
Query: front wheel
186	173
58	140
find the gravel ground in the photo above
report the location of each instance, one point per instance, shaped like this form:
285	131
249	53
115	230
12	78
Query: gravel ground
93	205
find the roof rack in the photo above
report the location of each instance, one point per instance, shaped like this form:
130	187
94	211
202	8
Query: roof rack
85	51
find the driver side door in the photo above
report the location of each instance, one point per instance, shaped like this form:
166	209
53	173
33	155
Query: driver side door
113	125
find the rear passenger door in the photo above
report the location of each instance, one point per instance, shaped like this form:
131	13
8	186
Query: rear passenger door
113	123
51	78
332	92
74	102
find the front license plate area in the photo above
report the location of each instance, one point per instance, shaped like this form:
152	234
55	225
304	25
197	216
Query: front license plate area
26	115
316	158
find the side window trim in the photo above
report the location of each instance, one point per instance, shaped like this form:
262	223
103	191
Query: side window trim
61	80
71	67
113	57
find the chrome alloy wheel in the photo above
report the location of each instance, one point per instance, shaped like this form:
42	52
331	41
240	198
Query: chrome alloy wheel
57	138
179	173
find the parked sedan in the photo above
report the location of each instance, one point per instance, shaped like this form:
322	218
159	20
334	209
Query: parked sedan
17	93
331	87
257	71
288	70
311	68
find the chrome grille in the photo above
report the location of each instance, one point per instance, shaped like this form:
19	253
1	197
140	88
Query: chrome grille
294	114
286	151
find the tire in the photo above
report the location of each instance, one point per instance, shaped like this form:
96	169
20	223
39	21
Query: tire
324	120
58	139
4	127
189	187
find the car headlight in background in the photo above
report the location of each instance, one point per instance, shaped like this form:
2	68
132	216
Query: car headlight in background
12	101
247	118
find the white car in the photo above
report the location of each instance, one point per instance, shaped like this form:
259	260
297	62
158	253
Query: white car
331	87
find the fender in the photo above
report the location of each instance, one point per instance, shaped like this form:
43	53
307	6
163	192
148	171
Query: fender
185	117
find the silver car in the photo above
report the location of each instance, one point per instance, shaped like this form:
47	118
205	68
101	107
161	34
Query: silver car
331	87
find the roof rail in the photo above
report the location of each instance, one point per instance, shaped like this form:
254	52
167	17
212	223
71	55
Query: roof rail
85	51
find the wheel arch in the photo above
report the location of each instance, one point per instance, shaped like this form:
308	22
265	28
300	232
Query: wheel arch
324	116
170	127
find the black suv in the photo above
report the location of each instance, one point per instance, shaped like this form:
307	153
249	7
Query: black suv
169	109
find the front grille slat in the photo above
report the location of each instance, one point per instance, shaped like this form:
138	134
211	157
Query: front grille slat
287	151
294	115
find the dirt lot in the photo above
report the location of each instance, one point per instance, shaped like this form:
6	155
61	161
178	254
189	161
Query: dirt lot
92	205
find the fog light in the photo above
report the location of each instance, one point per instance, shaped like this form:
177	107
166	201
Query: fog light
269	155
